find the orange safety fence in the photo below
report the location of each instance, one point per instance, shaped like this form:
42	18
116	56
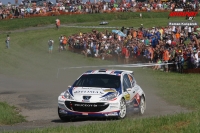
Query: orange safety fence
57	13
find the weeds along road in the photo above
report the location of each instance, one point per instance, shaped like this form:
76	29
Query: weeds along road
36	98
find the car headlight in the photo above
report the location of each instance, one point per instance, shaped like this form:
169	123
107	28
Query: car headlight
67	95
110	97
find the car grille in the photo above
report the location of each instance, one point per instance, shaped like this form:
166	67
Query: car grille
86	107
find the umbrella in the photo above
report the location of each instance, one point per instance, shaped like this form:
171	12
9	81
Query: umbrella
198	29
120	33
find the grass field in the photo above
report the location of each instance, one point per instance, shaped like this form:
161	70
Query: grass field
128	19
28	57
9	115
180	123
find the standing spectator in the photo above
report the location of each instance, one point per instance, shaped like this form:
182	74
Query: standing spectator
150	54
197	58
141	27
127	54
57	23
60	48
166	59
64	42
8	42
50	44
140	15
97	50
180	63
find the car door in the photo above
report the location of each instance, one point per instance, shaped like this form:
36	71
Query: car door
134	86
128	90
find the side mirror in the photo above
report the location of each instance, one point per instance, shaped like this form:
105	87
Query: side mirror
128	89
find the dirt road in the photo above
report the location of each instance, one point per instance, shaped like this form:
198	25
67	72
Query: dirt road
37	100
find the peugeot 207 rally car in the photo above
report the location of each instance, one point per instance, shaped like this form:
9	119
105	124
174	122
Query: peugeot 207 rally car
107	93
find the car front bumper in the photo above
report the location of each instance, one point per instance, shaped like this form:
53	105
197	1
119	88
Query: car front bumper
101	109
92	114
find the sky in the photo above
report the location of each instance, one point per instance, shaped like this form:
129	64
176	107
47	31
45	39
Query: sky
19	1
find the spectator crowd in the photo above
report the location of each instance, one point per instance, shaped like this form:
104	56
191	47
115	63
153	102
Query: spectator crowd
26	8
178	45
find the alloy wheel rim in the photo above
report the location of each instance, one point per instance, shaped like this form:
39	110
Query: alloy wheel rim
142	106
122	109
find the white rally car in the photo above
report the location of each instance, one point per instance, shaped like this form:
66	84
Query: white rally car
107	93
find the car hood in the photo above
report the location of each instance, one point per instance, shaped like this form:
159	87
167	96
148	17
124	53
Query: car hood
90	94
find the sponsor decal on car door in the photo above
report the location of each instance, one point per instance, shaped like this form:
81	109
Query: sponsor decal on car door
128	89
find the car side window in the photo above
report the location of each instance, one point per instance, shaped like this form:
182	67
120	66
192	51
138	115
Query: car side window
126	82
132	79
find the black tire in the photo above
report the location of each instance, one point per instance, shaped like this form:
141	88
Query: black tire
123	110
63	117
141	106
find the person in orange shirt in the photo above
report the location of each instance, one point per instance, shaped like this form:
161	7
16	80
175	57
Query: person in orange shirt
140	35
57	23
64	41
151	54
177	36
166	59
134	34
127	54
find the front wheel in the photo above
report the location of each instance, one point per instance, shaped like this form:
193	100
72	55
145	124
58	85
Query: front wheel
142	106
122	112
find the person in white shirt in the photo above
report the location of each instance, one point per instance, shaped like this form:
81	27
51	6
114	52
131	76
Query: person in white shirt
37	9
88	52
186	29
9	4
189	31
173	29
22	12
169	41
197	58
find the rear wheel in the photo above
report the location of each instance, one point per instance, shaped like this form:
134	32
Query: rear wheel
142	106
63	117
122	112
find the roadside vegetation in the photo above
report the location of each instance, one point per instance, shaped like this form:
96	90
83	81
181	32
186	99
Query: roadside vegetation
9	115
29	57
180	123
130	19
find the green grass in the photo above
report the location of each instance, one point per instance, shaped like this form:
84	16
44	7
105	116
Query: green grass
29	55
29	58
9	115
127	19
179	123
181	89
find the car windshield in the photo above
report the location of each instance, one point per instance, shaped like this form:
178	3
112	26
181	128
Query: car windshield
98	80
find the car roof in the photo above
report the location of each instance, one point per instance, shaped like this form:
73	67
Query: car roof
108	71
